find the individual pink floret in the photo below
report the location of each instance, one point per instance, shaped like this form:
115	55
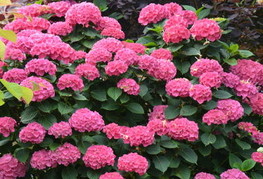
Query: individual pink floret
42	159
40	67
178	87
113	32
162	54
152	13
98	156
129	56
130	86
176	34
70	81
215	116
133	162
204	65
60	28
233	174
231	108
158	112
61	129
257	157
7	126
15	75
110	44
33	132
138	48
211	79
203	175
85	120
111	175
116	68
230	80
87	71
200	93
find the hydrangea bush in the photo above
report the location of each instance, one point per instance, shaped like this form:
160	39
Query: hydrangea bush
177	103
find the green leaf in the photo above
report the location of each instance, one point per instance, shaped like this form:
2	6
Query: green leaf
207	138
93	174
247	109
188	110
99	94
8	34
210	105
147	41
169	144
191	51
114	93
88	43
13	88
185	67
109	105
102	4
175	48
143	90
135	108
221	94
203	13
69	173
27	94
205	150
2	50
243	145
3	142
79	97
21	154
220	142
63	108
153	149
46	106
175	163
190	8
47	120
183	172
28	114
161	163
124	99
171	112
233	160
188	154
231	61
2	96
245	53
248	165
255	175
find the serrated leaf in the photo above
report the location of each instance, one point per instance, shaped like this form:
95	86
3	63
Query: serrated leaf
171	112
189	155
8	34
221	94
207	138
63	108
161	163
99	94
135	108
188	110
28	114
248	165
114	93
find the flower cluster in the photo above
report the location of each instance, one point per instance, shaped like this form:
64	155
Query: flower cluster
33	132
43	159
70	81
61	129
7	126
11	168
257	157
15	75
178	87
233	173
203	175
40	67
129	86
111	175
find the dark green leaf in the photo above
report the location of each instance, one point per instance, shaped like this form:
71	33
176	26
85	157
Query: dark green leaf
114	93
102	4
220	142
175	163
191	8
124	99
22	154
175	48
185	67
143	90
243	145
135	108
248	165
46	107
221	94
93	174
47	120
188	110
3	142
191	51
153	149
99	94
245	53
171	112
161	163
69	173
231	61
247	109
210	105
63	108
255	175
183	172
234	159
169	144
203	13
28	114
109	105
79	97
205	150
188	154
208	138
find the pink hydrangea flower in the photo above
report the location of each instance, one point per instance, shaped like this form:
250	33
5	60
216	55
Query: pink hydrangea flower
129	86
98	156
86	120
129	56
139	135
133	162
200	93
256	102
2	64
203	175
87	71
106	22
245	89
138	48
233	174
176	34
17	25
44	89
206	29
231	108
83	13
115	131
152	13
176	20
15	75
70	81
248	127
189	16
111	175
98	55
178	87
38	23
204	65
110	44
42	159
230	80
146	62
7	125
60	28
116	68
33	10
61	129
11	168
211	79
172	9
158	126
66	154
257	157
33	132
158	112
59	8
113	32
162	54
258	138
40	67
183	129
215	116
14	54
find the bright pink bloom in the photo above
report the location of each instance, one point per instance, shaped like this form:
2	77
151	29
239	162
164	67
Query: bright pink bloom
204	65
146	62
111	175
211	79
245	89
206	29
158	112
162	54
203	175
256	102
176	34
176	20
113	32
215	116
17	25
61	129
233	174
248	127
60	28
15	75
14	54
87	71
152	13
83	13
110	44
70	81
116	68
38	23
172	9
257	157
129	86
33	10
106	22
112	130
133	162
66	154
139	135
189	16
98	156
33	132
200	93
2	64
44	88
231	108
138	48
11	168
258	138
98	55
230	80
129	56
40	67
86	120
59	8
7	126
158	126
42	159
178	87
183	129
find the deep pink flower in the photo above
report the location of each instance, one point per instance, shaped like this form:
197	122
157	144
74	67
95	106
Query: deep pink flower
61	129
233	174
33	10
176	20
189	16
146	62
176	34
257	157
129	56
70	81
231	108
113	32
203	175
42	159
116	68
87	71
162	54
178	87
15	75
33	132
158	112
113	130
110	44
248	127
200	93
158	126
7	126
60	28
130	86
106	22
230	80
211	79
40	67
245	89
11	168
256	102
258	138
138	48
111	175
98	55
172	9
215	116
204	65
59	8
152	13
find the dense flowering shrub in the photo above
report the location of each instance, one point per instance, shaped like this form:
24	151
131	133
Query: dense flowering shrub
176	103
